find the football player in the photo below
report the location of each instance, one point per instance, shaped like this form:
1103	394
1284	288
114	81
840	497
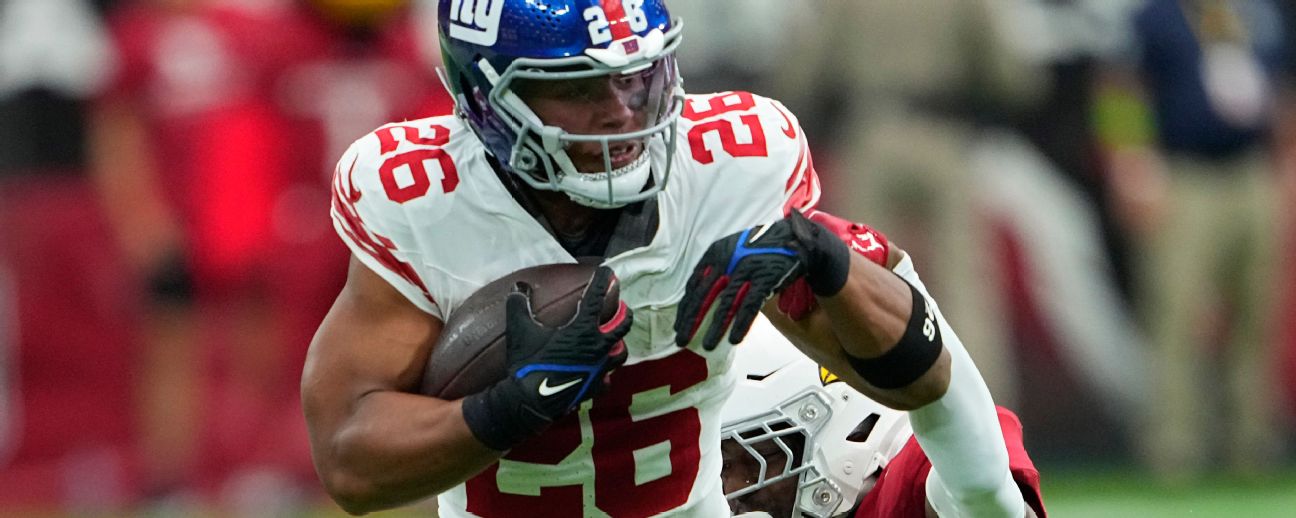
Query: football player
573	138
800	442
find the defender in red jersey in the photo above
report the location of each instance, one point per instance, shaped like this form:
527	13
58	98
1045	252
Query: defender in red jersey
798	442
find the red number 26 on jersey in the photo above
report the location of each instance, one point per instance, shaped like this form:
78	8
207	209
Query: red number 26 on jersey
415	161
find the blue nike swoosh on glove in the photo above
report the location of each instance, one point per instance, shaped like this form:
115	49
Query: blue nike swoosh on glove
741	251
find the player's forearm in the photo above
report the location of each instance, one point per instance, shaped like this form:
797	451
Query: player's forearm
868	318
398	448
961	434
869	314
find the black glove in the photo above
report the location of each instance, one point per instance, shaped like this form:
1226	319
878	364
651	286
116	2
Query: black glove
744	269
551	369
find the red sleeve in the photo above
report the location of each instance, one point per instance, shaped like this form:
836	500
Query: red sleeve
1020	463
797	300
900	491
901	488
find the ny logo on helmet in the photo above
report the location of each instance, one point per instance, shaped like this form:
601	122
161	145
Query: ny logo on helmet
476	21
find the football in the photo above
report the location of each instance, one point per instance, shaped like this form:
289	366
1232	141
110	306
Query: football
470	354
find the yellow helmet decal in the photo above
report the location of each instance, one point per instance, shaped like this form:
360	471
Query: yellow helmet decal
827	377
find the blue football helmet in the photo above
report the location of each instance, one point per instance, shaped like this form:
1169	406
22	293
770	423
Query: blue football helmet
496	51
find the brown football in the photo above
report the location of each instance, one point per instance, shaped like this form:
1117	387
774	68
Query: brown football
470	354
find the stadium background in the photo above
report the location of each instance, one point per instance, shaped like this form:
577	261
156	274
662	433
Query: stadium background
165	250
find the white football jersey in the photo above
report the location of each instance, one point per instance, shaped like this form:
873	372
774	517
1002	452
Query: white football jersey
418	203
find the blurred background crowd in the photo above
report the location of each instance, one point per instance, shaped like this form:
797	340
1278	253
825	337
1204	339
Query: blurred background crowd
1095	190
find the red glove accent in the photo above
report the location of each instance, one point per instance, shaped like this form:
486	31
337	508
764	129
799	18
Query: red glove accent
797	301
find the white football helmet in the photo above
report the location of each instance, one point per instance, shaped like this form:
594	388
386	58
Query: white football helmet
781	393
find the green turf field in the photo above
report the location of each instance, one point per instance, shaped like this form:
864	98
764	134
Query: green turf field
1068	493
1125	493
1120	494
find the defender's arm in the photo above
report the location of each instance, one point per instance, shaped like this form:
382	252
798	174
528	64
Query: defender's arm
866	320
953	416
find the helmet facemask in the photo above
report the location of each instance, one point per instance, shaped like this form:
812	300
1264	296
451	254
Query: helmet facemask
785	438
645	81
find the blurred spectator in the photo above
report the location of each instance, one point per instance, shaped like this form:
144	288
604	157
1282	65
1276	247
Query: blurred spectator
956	130
1081	351
65	306
218	137
905	81
1193	178
964	131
